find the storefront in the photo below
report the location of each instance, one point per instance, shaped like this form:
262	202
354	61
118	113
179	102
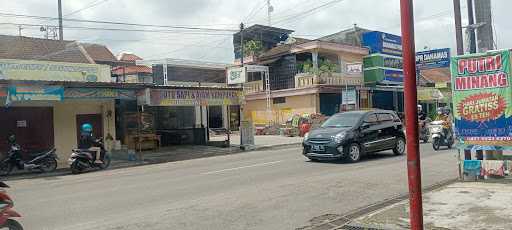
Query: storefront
45	103
183	115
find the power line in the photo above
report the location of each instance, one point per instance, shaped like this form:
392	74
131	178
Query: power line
121	29
303	14
88	6
116	23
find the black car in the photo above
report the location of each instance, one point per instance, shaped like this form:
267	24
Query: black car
350	135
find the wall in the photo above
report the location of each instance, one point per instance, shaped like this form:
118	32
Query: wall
64	117
255	110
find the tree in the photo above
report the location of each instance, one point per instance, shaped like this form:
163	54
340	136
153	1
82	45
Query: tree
253	48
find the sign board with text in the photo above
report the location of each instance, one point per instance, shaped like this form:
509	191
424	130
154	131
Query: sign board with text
34	93
190	97
482	101
349	97
431	59
14	69
236	75
380	42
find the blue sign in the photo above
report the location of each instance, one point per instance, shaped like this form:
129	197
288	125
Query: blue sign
431	59
380	42
34	93
393	76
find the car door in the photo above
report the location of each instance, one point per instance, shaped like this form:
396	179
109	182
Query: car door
369	136
387	134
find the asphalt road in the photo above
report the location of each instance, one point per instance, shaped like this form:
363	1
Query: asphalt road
276	189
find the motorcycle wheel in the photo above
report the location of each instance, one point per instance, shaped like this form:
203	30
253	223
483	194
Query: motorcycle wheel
106	162
5	169
75	168
436	143
12	225
49	165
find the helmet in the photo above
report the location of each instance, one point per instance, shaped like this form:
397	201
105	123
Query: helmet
11	138
87	128
420	108
440	111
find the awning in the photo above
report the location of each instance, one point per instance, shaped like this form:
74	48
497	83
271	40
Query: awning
268	61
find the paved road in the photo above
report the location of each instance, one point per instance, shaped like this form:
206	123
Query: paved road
276	189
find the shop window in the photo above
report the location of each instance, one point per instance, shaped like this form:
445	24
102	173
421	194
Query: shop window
279	100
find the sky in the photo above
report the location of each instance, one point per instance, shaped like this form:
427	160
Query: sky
433	29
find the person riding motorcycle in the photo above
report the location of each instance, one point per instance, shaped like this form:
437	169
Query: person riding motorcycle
88	142
422	117
443	114
11	140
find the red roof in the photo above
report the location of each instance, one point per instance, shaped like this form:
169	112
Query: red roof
438	75
120	70
129	57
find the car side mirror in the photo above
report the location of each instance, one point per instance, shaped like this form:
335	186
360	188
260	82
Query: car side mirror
365	125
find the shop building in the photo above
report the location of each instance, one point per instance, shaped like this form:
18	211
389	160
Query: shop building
189	99
49	88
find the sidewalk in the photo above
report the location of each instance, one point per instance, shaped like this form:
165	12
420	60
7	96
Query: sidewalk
262	141
462	205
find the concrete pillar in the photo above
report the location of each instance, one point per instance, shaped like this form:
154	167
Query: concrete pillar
314	56
225	116
197	112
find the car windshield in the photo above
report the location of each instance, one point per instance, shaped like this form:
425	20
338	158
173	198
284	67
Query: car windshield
343	120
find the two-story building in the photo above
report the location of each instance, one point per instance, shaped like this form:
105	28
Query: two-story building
306	76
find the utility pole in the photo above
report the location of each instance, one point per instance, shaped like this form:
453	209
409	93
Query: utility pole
61	30
471	29
270	9
19	30
458	27
243	96
411	115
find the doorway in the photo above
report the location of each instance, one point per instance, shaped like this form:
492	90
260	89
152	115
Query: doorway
96	120
215	117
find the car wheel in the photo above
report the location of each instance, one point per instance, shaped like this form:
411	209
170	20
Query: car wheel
353	153
400	146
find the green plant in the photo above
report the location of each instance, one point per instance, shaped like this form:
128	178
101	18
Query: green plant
327	66
307	66
253	48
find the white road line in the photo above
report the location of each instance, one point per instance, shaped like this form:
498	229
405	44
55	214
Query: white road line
241	167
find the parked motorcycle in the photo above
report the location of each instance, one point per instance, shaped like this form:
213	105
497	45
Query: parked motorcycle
424	130
441	135
82	159
43	162
7	212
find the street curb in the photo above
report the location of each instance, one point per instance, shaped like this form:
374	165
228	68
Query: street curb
66	171
345	219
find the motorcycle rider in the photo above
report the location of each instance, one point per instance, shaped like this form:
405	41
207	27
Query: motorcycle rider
443	114
11	140
88	142
422	117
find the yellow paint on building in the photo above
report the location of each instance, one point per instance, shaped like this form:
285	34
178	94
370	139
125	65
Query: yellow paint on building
256	110
64	123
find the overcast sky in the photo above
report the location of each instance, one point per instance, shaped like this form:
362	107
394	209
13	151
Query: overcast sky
434	22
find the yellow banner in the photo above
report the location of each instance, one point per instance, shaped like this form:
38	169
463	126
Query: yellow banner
13	69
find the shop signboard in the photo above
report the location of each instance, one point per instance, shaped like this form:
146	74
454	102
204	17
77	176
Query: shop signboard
431	59
190	97
392	76
99	93
354	68
236	75
348	97
429	94
34	93
14	69
380	42
482	102
382	60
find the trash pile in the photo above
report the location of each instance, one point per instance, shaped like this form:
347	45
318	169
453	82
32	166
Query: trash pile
298	125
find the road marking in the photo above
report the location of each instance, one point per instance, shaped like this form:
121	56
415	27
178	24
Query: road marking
241	167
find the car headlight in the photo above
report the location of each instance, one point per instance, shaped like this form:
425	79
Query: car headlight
306	136
339	137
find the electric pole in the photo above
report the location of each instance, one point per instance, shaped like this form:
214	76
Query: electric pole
242	144
61	30
471	28
270	9
411	115
458	27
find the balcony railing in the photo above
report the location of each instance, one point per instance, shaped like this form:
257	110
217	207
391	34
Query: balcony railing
303	80
253	87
